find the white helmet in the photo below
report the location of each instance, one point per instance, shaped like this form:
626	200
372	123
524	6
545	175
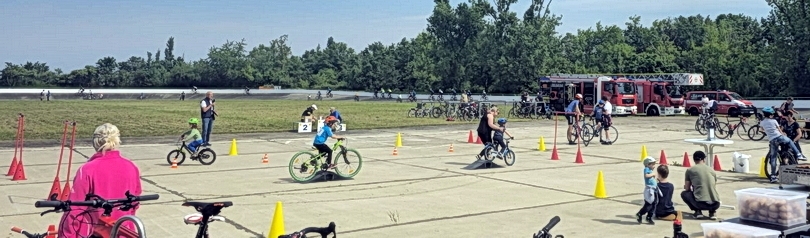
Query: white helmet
578	96
705	100
649	160
314	107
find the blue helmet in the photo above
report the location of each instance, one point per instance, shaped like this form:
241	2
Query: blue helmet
600	102
768	110
501	121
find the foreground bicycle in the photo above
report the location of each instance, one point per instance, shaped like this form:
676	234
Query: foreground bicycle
544	233
308	164
107	227
323	231
581	130
208	212
508	155
785	157
205	155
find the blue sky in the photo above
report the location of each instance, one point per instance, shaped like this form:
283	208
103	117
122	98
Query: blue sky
71	34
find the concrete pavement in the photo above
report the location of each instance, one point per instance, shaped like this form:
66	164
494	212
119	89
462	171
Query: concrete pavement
422	192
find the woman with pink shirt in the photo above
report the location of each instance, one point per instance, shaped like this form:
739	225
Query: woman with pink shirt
106	174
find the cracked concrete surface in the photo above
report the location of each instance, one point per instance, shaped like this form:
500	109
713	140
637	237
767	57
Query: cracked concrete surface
422	192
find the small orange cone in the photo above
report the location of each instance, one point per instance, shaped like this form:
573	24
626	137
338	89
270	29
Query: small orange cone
717	164
470	138
579	157
686	162
554	155
20	173
13	167
51	232
451	148
174	164
395	151
478	140
663	158
265	160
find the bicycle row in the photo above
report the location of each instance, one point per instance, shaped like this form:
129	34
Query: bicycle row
473	110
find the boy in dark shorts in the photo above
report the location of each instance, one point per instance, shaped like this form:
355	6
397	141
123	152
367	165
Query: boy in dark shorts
498	137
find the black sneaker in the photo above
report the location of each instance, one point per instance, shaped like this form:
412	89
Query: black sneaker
638	218
650	221
712	216
572	143
774	179
698	215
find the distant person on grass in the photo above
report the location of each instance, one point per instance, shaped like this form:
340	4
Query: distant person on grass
308	113
208	116
335	113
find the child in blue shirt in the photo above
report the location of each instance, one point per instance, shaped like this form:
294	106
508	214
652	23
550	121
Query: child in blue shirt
320	139
650	191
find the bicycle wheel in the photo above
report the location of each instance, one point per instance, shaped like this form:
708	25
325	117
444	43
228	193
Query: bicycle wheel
488	156
722	130
612	138
349	162
303	166
700	126
118	228
742	135
207	156
412	113
176	155
587	134
436	112
509	158
754	134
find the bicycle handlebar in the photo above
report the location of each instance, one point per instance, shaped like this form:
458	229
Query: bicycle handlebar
96	201
544	233
33	235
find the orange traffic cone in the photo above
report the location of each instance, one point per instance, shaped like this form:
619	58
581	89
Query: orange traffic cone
395	151
478	140
663	158
56	189
65	192
265	160
13	167
686	162
470	138
451	148
174	164
717	164
579	157
20	173
51	232
554	155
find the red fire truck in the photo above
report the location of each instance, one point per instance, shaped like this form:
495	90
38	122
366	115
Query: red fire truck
660	94
561	88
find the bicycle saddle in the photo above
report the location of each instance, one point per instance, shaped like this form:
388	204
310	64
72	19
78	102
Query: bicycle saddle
209	209
196	218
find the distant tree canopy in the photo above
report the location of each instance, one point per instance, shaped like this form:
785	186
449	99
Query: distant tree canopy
483	45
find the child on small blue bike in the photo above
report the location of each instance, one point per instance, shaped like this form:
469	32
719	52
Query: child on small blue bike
192	136
498	142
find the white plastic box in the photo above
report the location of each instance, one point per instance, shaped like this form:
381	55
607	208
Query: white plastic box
778	207
734	230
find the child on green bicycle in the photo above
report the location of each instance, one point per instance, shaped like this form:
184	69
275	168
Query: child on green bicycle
193	135
323	134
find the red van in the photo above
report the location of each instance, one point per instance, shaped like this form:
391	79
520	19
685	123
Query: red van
729	103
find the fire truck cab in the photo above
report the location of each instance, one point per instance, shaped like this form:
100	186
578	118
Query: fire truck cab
561	88
660	94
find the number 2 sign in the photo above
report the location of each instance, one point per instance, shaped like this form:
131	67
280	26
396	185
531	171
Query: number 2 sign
304	127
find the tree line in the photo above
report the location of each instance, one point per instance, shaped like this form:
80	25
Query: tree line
483	45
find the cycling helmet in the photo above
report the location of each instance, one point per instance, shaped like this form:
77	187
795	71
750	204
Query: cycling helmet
649	160
768	110
314	107
601	102
193	121
501	121
330	119
579	96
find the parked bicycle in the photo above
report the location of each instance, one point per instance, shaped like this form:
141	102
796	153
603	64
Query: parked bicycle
309	164
204	155
419	111
107	227
322	231
207	212
508	156
544	233
705	121
754	132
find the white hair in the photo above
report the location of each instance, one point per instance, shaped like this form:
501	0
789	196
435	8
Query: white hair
106	137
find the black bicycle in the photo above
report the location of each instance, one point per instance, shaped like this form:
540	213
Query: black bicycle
208	212
544	233
323	231
785	156
108	227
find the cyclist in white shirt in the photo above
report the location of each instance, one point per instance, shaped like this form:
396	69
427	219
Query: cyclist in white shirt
607	119
776	138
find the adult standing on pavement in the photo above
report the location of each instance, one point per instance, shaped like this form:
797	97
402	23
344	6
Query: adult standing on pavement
700	188
485	128
208	116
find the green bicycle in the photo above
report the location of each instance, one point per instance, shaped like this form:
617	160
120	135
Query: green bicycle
305	165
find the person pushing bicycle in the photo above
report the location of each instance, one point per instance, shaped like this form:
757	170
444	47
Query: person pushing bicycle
324	134
776	138
192	136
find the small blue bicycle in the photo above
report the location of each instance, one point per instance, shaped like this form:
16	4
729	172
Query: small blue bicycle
508	156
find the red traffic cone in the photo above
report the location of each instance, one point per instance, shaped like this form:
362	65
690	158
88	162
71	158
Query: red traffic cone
478	140
51	232
717	164
13	167
686	162
56	189
19	174
579	157
663	158
66	192
554	155
470	138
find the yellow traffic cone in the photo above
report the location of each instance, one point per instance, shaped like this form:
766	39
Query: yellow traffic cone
398	143
542	144
762	168
265	160
233	148
277	225
643	152
600	186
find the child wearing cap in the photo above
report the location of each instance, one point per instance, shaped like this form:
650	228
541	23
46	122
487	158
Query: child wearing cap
650	191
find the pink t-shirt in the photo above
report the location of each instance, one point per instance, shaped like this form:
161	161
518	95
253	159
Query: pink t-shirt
107	175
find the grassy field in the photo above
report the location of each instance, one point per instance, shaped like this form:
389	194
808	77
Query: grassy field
162	118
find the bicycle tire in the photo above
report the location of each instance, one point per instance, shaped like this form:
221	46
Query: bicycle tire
201	156
411	113
139	227
352	170
754	134
181	157
509	158
306	158
436	112
721	131
586	135
700	127
742	127
614	132
488	153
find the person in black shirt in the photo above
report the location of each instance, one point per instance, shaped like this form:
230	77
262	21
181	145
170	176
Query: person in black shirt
485	128
787	106
792	129
307	115
665	210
